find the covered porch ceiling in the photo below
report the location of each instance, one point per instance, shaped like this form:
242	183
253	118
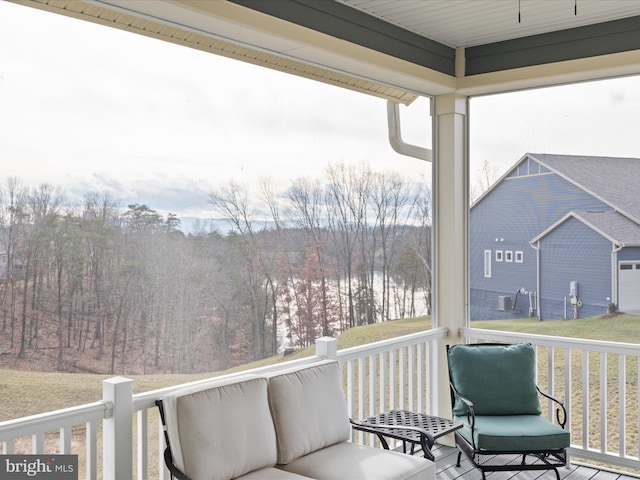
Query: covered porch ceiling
396	50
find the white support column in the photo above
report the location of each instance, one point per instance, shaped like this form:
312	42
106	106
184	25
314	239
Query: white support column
117	431
450	228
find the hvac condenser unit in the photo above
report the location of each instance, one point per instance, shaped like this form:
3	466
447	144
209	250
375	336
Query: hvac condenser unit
504	303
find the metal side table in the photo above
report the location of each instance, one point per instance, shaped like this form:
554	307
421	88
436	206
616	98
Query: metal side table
409	427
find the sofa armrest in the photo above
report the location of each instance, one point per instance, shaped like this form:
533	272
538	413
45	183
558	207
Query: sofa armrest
168	458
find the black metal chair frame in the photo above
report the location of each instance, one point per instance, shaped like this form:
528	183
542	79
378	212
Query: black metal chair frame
168	458
547	459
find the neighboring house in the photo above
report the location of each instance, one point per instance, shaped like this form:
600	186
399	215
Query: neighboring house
558	236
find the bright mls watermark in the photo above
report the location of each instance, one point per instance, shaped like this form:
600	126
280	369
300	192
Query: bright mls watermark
39	467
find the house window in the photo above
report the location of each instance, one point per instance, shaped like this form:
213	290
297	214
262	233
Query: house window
499	255
508	256
487	263
519	256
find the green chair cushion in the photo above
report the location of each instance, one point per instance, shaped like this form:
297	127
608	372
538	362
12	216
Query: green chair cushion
511	433
498	379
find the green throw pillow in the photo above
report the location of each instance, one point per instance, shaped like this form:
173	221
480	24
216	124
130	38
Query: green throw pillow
498	379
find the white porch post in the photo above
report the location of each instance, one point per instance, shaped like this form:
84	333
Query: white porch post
450	228
117	431
327	347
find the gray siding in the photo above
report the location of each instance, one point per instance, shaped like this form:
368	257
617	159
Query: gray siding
629	254
574	252
514	212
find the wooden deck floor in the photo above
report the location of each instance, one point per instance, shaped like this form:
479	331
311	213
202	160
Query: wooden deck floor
446	470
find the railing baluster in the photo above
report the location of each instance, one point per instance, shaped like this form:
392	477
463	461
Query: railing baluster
361	405
37	443
432	407
8	447
91	436
383	381
65	440
392	379
622	395
372	386
585	399
403	376
551	364
351	401
410	375
603	402
568	391
142	444
420	375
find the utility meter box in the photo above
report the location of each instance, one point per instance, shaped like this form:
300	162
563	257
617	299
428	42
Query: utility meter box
573	288
504	303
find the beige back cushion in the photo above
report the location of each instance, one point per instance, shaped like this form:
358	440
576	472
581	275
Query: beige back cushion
221	430
309	409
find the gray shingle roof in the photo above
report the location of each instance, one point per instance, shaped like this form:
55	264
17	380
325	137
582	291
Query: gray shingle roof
619	229
614	225
616	181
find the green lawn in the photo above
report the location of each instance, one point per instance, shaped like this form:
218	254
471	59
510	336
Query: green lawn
622	328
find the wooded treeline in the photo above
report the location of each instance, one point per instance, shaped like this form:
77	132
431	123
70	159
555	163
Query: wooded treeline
114	289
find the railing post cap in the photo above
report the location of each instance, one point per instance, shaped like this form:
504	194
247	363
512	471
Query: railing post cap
327	347
117	380
326	339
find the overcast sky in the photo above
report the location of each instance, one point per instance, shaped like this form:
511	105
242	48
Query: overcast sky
95	109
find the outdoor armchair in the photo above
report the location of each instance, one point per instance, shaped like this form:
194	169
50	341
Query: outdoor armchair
495	396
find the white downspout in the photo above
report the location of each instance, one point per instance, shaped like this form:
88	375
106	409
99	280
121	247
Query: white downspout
536	247
395	136
614	274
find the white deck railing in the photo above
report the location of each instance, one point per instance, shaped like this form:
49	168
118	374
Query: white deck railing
396	373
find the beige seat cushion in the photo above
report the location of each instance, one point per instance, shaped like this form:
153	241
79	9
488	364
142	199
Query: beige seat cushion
309	409
272	473
221	430
359	462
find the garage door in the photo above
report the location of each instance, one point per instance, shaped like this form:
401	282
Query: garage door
629	293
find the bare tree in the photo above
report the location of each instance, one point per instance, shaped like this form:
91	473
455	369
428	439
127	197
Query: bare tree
13	217
346	214
485	176
231	202
309	213
390	196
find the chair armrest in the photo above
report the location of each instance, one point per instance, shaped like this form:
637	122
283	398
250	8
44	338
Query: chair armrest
471	415
561	421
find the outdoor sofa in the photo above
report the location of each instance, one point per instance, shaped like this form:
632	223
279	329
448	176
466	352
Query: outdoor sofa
292	425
